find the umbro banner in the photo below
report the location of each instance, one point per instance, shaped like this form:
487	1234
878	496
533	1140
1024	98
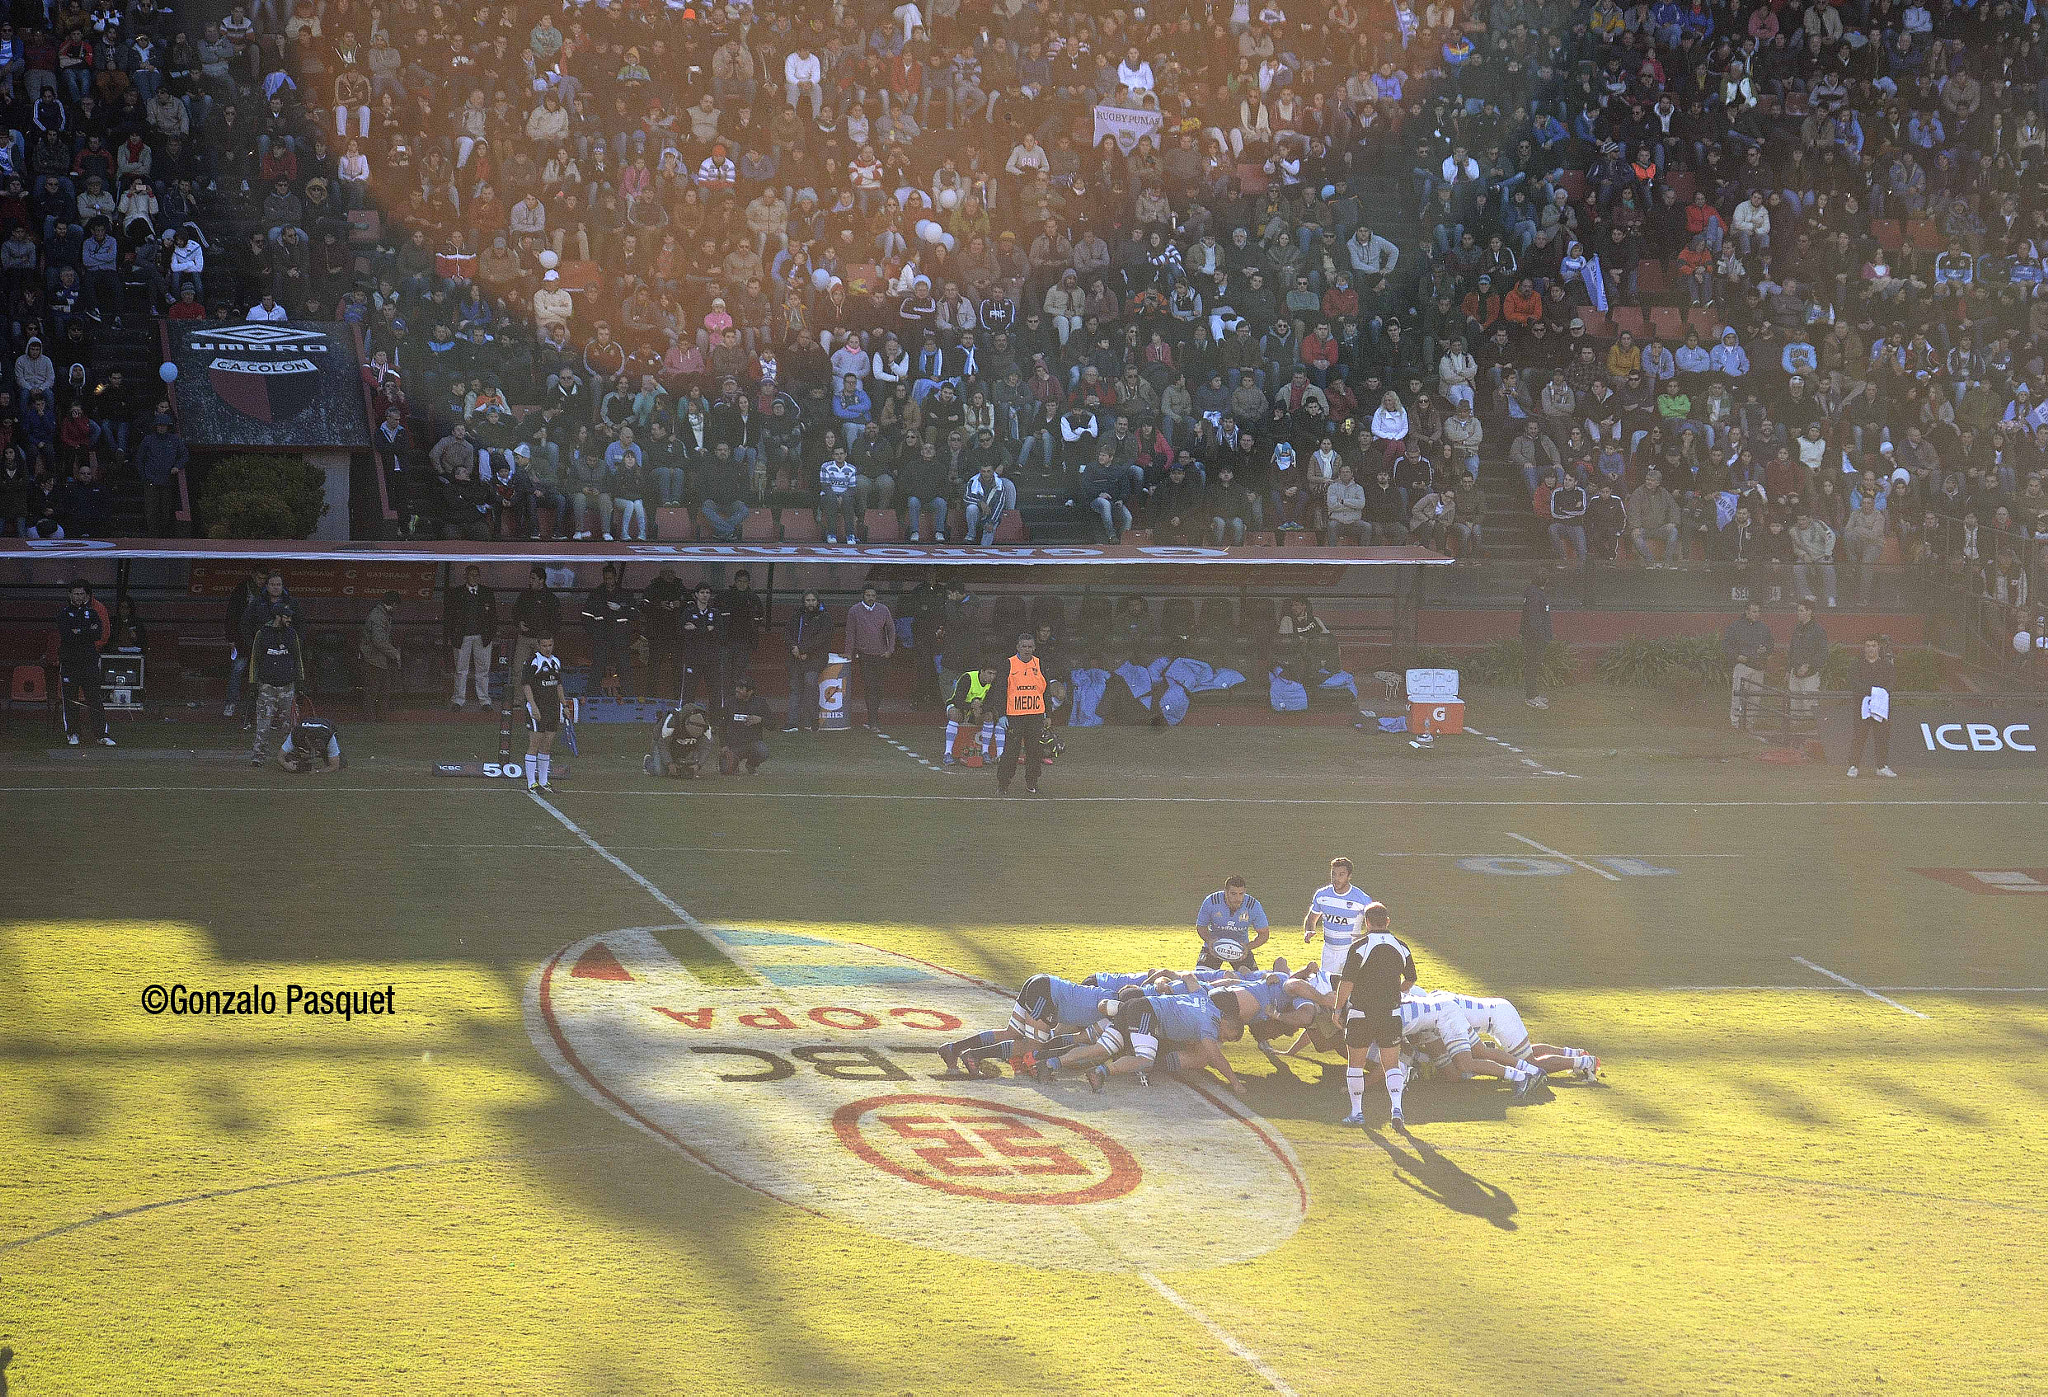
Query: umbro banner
269	384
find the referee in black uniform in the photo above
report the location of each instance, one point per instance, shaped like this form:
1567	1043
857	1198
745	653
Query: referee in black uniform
540	687
1377	969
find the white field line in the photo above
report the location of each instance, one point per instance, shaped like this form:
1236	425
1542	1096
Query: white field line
666	848
1833	989
485	788
909	752
1609	874
1541	768
1845	980
675	909
1220	1335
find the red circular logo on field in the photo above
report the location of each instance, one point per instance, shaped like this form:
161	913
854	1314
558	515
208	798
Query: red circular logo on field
978	1149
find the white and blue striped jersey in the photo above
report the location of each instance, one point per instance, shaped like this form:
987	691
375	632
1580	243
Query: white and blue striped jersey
1342	914
1436	1019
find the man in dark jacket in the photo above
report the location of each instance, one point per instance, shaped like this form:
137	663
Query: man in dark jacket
1177	507
240	628
1871	676
1747	645
1230	507
608	611
466	505
161	457
469	626
1386	510
538	612
809	636
699	630
1535	641
81	630
739	631
661	621
1807	657
277	667
1103	490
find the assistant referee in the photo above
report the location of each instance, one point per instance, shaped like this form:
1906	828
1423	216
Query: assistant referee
1019	695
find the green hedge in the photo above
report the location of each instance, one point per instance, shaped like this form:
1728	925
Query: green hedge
262	496
1501	663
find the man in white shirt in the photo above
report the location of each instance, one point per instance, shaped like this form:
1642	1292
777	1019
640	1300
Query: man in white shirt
267	309
804	75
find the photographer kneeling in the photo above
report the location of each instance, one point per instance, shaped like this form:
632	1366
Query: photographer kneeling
684	748
311	746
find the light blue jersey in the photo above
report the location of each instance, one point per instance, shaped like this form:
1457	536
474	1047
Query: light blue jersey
1187	1018
1075	1004
1204	975
1109	982
1272	995
1216	922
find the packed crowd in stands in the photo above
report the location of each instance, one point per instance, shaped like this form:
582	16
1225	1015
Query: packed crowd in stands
1745	266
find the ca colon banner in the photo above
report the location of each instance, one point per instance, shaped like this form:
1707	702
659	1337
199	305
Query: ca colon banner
1128	124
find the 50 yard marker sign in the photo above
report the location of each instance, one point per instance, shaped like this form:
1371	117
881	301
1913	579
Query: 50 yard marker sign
808	1070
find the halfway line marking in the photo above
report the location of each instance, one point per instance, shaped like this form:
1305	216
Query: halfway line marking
666	848
1220	1335
1606	873
1844	979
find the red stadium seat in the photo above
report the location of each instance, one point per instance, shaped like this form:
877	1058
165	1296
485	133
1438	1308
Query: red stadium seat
1629	318
1010	528
1706	320
673	523
1137	538
1262	538
1651	277
1926	235
1667	322
798	525
880	526
1887	234
758	526
31	687
1596	323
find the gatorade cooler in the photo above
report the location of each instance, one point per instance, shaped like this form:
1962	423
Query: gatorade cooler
832	694
1433	703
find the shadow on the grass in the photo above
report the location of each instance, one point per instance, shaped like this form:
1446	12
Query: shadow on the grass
1429	1172
1311	1090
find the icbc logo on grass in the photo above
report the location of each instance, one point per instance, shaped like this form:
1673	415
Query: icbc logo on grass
973	1149
807	1069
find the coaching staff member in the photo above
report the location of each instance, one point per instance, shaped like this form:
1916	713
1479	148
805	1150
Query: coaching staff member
1377	969
1019	695
81	630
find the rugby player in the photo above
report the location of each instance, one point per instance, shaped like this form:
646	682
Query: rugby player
968	705
540	686
1335	911
1437	1032
1045	1006
1502	1022
1377	970
1231	917
1184	1033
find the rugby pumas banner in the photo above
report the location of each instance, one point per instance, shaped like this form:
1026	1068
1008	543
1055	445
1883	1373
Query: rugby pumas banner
269	383
806	1069
1128	124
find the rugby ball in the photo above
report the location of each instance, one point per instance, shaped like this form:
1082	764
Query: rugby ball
1229	952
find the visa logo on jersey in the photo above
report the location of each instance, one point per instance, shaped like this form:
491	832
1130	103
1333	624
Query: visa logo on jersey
1977	737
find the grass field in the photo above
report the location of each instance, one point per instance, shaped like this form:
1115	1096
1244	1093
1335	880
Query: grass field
1815	1163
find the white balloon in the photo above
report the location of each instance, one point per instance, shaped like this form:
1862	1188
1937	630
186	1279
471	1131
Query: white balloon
949	198
929	231
548	259
947	239
821	278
